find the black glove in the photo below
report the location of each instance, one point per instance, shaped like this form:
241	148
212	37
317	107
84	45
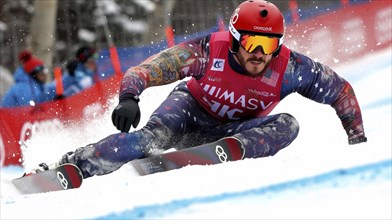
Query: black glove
126	113
357	140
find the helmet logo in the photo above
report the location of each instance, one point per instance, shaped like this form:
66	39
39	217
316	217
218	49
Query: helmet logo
233	20
234	17
259	28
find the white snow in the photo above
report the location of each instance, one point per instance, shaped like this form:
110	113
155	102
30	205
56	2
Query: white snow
319	176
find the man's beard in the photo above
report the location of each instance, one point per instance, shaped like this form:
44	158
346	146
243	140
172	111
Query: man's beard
242	62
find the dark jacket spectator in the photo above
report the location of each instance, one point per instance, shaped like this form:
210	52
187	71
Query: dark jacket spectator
86	69
79	74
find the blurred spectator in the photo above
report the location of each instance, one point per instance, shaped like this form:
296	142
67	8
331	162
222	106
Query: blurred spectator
86	68
29	80
79	74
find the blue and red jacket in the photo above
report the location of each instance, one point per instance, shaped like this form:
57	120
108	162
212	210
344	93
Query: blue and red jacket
228	95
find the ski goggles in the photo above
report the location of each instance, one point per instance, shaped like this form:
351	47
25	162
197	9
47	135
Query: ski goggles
268	45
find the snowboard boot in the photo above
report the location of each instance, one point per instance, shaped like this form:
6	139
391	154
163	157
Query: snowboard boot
41	167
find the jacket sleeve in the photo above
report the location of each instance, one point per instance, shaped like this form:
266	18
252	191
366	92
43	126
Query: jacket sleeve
320	83
175	63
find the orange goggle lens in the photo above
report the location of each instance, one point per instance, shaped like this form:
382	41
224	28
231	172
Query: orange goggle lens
268	44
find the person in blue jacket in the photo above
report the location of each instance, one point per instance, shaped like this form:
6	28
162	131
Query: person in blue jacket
86	68
79	74
81	71
29	87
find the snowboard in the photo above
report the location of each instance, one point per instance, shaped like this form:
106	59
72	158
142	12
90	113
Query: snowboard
63	177
223	150
69	176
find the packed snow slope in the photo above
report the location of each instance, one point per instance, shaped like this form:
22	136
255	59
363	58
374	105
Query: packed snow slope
319	176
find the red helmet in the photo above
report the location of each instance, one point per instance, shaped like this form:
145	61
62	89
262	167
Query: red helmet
256	17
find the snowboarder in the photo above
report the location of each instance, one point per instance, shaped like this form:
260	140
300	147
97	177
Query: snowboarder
236	78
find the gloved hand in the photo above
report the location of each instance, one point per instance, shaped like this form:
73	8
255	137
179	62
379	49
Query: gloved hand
126	113
357	140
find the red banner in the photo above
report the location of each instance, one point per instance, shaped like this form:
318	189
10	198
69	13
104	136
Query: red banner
345	34
18	124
